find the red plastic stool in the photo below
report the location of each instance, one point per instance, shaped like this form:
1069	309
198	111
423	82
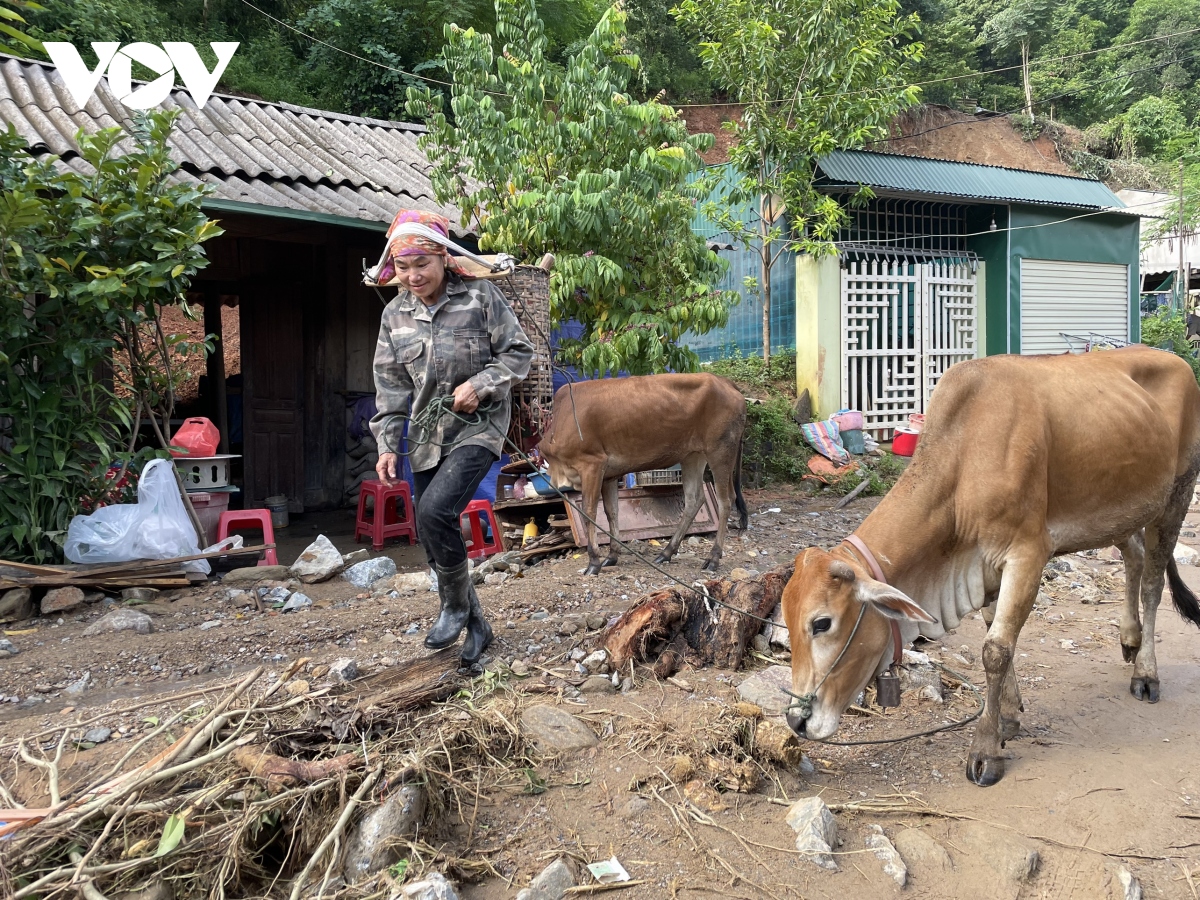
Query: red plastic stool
250	518
477	548
393	515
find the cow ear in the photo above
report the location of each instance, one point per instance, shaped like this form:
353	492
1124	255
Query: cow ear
891	602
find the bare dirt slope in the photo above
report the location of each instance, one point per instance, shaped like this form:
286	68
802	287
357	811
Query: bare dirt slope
1097	782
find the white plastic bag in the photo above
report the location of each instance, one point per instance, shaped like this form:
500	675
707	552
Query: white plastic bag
156	527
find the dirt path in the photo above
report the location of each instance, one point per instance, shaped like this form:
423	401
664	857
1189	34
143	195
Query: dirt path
1097	782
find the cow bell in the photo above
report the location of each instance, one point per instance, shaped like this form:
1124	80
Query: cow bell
887	689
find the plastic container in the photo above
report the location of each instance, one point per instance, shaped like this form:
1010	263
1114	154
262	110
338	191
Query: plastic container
541	484
196	437
904	443
673	475
202	472
208	510
278	505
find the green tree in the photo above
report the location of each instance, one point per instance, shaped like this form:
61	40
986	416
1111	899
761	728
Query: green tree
13	36
564	161
815	76
669	61
85	262
1020	25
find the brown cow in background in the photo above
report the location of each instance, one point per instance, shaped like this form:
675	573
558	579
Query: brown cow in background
605	429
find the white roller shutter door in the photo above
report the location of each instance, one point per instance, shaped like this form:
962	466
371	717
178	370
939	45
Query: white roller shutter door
1073	297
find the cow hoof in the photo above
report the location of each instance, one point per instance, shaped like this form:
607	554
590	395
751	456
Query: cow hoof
608	561
1144	689
662	558
1009	729
984	770
711	566
593	569
1129	653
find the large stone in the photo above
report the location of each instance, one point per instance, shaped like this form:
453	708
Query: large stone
1012	857
356	556
1186	556
344	669
893	865
16	605
555	730
433	886
365	574
816	831
551	883
252	574
61	600
408	582
7	646
97	735
598	684
319	562
120	620
765	689
373	845
923	854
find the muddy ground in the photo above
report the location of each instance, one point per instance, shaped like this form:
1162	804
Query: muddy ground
1097	782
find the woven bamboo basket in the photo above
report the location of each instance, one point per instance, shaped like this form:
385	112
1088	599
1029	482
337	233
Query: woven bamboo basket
528	291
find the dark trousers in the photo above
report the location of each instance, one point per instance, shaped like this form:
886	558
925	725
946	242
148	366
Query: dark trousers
443	492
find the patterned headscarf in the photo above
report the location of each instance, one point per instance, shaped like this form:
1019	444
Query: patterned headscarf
415	244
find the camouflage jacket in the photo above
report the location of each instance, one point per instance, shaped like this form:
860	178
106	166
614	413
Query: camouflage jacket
470	334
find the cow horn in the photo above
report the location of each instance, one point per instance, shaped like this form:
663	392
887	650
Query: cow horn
842	572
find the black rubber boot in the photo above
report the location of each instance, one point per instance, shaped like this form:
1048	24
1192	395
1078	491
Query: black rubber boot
479	634
454	589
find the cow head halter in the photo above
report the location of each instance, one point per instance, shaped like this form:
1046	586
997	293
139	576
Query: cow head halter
804	702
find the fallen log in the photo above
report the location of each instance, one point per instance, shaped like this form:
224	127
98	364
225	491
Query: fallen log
668	626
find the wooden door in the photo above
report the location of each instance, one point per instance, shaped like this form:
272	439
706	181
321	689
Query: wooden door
272	322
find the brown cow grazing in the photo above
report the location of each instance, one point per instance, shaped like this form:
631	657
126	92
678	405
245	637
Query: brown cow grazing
605	429
1022	459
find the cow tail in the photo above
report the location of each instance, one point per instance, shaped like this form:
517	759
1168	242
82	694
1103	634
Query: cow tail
1185	601
743	513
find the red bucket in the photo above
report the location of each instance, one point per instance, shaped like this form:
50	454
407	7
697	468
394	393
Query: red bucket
904	443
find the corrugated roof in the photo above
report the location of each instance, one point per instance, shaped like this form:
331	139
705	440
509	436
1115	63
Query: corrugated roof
270	155
969	181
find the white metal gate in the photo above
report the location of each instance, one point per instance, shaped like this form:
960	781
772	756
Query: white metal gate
903	325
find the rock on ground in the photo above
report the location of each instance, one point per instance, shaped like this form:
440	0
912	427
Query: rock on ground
16	605
252	574
344	669
765	689
407	582
1011	856
364	574
7	646
296	602
78	687
816	830
893	865
372	845
597	684
551	883
555	730
356	556
97	735
432	887
319	562
120	620
921	853
1186	556
1125	886
61	599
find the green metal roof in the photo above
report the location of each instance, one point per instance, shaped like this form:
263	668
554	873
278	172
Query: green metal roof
968	181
